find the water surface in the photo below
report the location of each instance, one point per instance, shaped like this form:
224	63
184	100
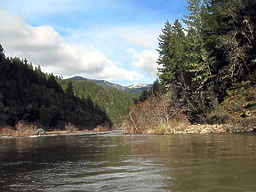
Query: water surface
129	163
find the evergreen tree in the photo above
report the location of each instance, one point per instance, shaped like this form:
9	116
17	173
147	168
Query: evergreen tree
156	89
165	55
2	55
53	84
144	96
70	89
238	38
199	61
171	52
230	30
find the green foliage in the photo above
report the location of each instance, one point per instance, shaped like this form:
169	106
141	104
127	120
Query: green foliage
171	52
229	28
70	90
216	49
2	56
116	103
31	95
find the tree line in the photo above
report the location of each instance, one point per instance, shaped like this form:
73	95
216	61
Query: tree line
28	94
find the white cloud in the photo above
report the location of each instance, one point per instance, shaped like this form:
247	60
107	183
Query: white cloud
115	41
45	47
120	73
146	60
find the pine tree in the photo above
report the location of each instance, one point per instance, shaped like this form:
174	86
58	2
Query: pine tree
2	55
230	26
171	52
238	38
199	58
165	54
70	90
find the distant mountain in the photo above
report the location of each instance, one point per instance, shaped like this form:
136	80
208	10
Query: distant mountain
136	88
77	78
140	86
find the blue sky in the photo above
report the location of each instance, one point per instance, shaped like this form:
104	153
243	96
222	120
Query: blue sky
113	40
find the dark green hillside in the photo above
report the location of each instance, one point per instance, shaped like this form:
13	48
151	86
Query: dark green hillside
116	103
30	95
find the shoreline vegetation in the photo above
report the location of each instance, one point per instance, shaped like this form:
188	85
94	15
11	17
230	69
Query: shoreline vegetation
160	115
162	129
24	129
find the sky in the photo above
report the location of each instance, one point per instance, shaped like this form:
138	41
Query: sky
114	40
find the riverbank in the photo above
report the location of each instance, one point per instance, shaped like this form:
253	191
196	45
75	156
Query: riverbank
23	129
165	129
160	115
160	130
217	128
57	133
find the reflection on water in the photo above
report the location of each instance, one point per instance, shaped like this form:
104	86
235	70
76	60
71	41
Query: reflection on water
129	163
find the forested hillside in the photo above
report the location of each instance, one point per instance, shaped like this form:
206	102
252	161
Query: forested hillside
116	103
28	94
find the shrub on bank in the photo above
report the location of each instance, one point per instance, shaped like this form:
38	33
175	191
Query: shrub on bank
156	115
21	129
162	129
7	131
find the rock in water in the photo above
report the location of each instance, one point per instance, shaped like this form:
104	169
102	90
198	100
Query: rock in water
39	131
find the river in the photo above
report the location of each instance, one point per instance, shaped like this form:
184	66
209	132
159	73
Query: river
191	162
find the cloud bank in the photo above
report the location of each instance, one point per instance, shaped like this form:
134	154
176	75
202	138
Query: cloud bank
45	47
99	52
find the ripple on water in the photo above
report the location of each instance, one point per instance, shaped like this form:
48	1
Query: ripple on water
132	163
93	176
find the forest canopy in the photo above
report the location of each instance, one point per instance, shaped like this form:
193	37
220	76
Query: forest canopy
207	52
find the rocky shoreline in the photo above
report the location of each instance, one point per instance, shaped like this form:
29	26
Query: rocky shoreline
184	128
189	129
216	128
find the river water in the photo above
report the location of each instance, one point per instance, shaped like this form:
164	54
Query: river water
79	163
